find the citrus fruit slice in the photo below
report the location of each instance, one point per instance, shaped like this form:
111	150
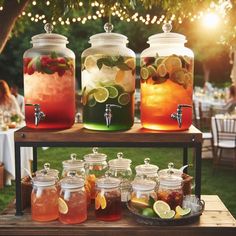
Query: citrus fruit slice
98	201
151	70
101	95
90	62
139	202
130	63
91	101
187	59
167	214
103	202
172	63
63	208
161	70
158	61
182	211
160	206
124	99
120	76
148	212
113	92
144	73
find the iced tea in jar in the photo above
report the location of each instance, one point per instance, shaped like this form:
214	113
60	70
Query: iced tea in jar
49	82
108	82
72	200
44	199
166	82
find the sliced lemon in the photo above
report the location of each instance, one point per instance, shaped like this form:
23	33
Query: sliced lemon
182	211
172	63
101	95
113	92
103	202
90	62
120	76
161	70
151	70
167	214
160	206
124	99
144	73
139	202
63	208
130	63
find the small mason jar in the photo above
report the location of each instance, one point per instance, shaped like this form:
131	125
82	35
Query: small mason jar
120	168
44	198
148	171
108	199
73	200
96	166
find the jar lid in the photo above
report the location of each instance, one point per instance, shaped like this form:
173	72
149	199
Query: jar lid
49	37
171	181
146	168
73	162
167	37
142	184
44	180
95	156
72	181
47	171
108	181
120	162
170	171
108	37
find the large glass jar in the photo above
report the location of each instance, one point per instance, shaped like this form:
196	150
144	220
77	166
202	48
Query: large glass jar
73	200
108	82
108	199
49	82
44	199
120	168
96	166
166	82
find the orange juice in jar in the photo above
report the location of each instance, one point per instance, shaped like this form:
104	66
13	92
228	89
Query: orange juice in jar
44	199
166	82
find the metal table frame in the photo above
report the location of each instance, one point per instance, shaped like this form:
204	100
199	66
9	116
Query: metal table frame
197	145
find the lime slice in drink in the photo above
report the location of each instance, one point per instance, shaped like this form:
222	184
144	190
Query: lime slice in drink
101	95
182	211
144	73
90	62
63	208
130	63
158	61
119	88
124	99
172	63
151	70
160	206
113	92
91	101
161	70
167	214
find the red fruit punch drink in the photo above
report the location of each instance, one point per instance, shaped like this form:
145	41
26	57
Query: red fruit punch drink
49	82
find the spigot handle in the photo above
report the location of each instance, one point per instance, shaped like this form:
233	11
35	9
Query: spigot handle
178	115
38	114
108	113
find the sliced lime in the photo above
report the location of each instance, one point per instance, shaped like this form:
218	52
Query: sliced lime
144	73
167	214
172	63
161	70
119	88
148	212
113	92
124	99
101	95
91	101
158	61
151	70
160	207
182	211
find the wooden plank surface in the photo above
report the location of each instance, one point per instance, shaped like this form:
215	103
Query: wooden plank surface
215	220
135	135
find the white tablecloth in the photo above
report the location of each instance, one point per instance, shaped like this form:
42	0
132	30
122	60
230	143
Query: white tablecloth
7	155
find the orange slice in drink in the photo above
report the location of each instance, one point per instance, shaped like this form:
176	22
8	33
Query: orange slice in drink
139	202
103	202
130	63
63	208
98	201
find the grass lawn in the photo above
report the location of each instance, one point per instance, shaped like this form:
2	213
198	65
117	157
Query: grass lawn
220	183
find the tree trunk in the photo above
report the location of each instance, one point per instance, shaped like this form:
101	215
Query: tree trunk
206	72
8	16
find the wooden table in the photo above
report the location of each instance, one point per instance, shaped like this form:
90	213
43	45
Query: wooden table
77	136
215	220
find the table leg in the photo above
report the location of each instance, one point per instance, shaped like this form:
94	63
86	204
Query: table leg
18	180
35	159
198	171
185	159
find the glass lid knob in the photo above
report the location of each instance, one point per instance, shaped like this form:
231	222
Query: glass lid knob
170	168
46	166
167	27
147	161
48	28
73	156
120	155
71	173
95	150
108	27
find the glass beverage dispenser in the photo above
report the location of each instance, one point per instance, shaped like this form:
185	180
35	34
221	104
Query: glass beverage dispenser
49	82
166	82
108	82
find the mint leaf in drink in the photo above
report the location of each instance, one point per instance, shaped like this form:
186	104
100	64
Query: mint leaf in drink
53	55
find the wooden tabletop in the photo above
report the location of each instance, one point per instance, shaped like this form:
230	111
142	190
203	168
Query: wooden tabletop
215	220
81	135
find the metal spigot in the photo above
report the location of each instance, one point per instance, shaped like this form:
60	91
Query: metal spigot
108	113
178	115
38	114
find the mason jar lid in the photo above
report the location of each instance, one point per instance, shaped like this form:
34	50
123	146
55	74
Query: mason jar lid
107	181
167	37
142	184
49	37
146	168
72	181
108	37
170	171
171	181
73	162
44	180
95	157
120	162
47	171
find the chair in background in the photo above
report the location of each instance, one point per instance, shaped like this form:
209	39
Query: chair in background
224	141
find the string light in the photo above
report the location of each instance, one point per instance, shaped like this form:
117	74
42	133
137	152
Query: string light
1	8
34	3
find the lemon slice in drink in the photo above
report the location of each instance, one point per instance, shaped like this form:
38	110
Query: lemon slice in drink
160	206
172	63
63	208
139	202
130	63
101	95
151	70
113	92
167	214
124	99
90	62
161	70
182	211
144	73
